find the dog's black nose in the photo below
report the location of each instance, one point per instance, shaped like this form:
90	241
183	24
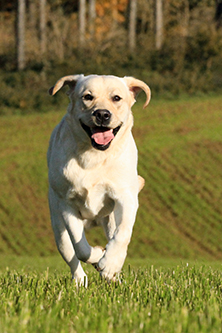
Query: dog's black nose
102	117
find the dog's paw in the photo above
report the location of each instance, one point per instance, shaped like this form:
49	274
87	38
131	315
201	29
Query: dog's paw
81	281
109	270
97	253
111	264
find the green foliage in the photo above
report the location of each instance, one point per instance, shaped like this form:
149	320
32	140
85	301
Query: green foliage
23	93
184	298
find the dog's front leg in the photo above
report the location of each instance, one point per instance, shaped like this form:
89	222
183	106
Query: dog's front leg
116	249
83	250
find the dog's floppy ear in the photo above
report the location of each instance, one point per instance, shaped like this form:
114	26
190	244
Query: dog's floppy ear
135	86
71	80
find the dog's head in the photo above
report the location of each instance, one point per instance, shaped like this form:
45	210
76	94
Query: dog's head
101	105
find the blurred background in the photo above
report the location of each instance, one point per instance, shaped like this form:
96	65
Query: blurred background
173	46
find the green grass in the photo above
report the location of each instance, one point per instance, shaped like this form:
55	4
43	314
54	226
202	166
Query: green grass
175	297
180	156
172	278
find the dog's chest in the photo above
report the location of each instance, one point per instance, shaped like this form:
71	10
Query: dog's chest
89	194
91	203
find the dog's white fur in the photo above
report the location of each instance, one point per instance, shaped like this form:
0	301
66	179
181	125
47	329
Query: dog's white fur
87	186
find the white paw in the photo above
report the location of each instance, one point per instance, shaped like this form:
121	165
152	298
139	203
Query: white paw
96	254
81	281
111	263
109	269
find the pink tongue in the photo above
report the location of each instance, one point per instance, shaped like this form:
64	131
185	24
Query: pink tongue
102	137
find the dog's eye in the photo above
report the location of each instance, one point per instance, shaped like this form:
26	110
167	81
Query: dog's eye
116	98
88	97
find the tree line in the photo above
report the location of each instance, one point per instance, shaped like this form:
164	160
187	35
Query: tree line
175	45
153	17
137	16
86	19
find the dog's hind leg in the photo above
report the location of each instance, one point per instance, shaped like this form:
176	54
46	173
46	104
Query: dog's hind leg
67	251
70	237
63	241
109	226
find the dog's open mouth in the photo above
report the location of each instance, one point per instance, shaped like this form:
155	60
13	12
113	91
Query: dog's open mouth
101	137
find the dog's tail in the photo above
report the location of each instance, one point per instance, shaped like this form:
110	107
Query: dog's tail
141	182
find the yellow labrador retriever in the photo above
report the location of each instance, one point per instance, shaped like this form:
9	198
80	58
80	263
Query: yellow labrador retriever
93	180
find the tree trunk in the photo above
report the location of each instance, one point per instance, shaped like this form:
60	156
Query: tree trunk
92	17
20	34
42	27
132	25
218	13
32	17
159	24
82	22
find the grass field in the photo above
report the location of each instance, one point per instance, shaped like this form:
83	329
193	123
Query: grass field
175	297
180	156
172	279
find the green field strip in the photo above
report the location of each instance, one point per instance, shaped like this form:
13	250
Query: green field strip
216	154
177	242
5	242
24	216
170	205
184	223
10	243
179	202
185	229
162	212
150	226
176	169
205	192
175	182
198	199
15	241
